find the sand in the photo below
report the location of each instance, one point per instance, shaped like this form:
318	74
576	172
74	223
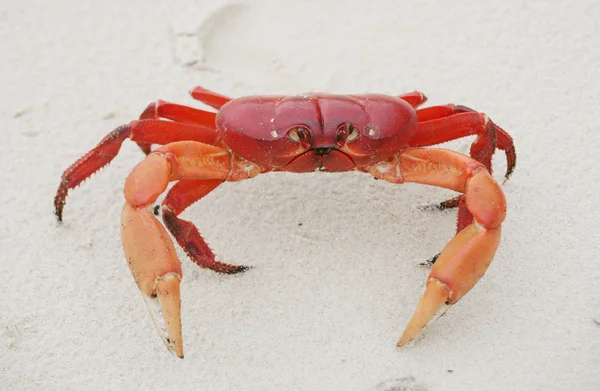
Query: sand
335	258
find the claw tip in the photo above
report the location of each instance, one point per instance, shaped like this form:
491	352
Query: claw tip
403	341
435	296
176	349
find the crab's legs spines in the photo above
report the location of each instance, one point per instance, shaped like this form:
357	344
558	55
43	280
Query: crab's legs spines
88	164
182	195
147	245
439	124
208	97
415	98
467	256
178	113
151	131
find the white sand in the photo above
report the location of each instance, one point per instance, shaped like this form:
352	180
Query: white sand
326	301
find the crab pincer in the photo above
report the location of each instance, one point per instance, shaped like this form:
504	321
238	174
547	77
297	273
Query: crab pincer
467	256
156	270
148	248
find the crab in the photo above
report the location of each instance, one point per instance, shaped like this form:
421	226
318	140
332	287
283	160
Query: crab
381	135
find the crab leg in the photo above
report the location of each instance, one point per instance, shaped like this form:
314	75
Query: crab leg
208	97
178	113
415	98
182	195
150	131
467	256
439	124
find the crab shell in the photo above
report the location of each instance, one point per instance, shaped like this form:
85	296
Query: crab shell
311	132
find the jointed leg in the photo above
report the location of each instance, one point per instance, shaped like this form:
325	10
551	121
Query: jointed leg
208	97
182	195
415	98
149	131
467	256
178	113
439	124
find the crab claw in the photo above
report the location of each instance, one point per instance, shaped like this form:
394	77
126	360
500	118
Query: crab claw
156	270
459	267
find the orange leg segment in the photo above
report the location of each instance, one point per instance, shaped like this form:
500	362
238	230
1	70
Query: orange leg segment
467	256
146	243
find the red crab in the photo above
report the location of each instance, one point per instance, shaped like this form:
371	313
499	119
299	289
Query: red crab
380	135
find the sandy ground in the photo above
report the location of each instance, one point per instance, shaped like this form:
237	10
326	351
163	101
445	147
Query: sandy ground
336	257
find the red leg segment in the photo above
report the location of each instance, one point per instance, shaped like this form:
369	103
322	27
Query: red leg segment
178	113
182	195
439	124
150	131
415	98
88	164
208	97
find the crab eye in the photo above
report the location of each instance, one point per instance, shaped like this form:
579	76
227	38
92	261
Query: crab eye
298	134
347	132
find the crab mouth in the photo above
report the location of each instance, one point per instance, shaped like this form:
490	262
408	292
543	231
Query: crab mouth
321	151
328	159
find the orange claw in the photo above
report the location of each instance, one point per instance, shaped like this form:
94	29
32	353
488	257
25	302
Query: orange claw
153	262
467	256
147	245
